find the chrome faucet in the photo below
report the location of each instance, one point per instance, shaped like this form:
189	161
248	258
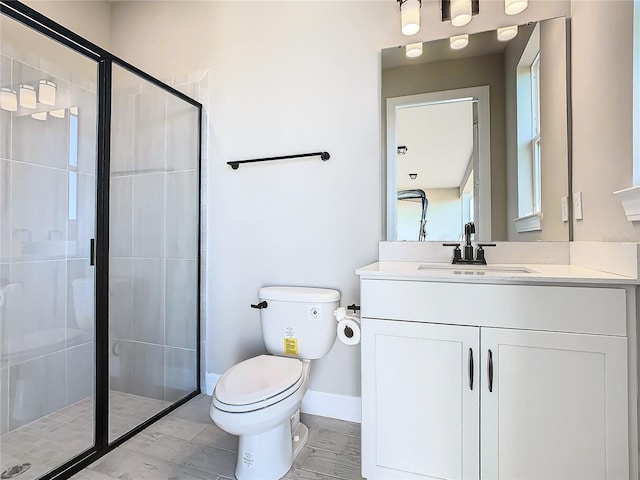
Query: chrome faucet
468	256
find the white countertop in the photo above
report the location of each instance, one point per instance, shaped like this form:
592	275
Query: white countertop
495	273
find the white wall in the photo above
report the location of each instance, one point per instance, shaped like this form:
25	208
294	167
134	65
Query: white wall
90	19
602	69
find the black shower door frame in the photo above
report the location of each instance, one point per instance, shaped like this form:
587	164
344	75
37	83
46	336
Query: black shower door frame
105	61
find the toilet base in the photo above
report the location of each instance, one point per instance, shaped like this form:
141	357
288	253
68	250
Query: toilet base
270	455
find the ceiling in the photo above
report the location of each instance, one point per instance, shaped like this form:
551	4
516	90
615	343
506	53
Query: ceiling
439	138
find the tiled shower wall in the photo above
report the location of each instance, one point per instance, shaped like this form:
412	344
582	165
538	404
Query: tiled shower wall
153	241
47	218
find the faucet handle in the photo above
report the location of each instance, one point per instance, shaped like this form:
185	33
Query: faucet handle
480	252
457	253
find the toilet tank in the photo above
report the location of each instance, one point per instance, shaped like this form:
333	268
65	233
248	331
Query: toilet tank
299	321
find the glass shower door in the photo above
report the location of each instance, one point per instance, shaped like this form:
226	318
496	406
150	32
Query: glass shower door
48	112
153	250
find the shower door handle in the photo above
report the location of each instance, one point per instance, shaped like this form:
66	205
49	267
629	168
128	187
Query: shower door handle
92	252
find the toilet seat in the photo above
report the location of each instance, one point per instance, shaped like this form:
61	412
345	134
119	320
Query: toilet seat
257	383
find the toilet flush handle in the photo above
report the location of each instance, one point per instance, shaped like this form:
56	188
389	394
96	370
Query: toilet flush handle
261	305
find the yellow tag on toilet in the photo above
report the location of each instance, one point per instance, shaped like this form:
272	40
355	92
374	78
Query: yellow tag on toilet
291	346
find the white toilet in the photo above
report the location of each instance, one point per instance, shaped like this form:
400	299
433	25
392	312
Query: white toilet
259	399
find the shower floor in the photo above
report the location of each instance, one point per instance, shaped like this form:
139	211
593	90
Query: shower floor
52	440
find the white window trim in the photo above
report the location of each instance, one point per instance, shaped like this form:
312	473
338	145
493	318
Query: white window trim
529	223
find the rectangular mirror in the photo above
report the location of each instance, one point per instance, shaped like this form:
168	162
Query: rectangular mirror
479	134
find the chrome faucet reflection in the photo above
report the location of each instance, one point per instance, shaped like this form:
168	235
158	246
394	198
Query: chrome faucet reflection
467	256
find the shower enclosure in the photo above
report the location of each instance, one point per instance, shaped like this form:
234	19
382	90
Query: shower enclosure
99	248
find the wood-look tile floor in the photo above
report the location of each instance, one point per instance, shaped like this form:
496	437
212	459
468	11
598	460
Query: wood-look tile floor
187	445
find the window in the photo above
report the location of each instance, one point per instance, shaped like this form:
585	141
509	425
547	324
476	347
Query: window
535	134
529	137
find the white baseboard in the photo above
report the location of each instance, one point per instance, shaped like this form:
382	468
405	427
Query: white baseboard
341	407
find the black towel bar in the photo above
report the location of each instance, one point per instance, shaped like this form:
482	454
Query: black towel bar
323	155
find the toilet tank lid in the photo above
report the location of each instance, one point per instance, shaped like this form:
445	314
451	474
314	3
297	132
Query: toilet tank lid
299	294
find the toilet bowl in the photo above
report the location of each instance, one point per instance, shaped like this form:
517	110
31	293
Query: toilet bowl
259	398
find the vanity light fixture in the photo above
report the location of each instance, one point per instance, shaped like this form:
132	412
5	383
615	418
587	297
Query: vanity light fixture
57	113
413	50
459	12
413	176
39	116
410	16
73	111
458	42
47	92
27	96
8	99
402	149
507	33
513	7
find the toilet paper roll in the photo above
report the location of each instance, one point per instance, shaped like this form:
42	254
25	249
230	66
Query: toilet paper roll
349	330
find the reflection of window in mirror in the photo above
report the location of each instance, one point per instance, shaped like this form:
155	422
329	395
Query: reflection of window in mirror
529	137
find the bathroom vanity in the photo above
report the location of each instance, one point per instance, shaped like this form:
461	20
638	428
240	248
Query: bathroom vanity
512	371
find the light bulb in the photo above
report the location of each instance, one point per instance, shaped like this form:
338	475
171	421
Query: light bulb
513	7
410	17
47	92
39	116
57	113
414	50
460	12
459	41
27	96
8	100
507	33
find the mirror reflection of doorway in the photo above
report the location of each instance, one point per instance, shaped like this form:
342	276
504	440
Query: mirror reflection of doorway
421	150
441	151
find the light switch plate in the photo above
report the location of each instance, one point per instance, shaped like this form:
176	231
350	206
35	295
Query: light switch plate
564	202
577	205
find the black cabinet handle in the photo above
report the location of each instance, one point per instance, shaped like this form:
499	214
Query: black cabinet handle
471	369
92	252
490	370
260	305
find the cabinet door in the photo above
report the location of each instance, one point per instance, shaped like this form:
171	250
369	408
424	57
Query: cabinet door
558	406
419	407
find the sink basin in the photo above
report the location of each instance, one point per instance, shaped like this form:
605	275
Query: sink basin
474	269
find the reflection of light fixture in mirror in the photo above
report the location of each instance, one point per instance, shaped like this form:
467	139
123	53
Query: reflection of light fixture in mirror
402	149
413	176
513	7
57	113
459	41
73	110
507	33
8	100
410	16
47	92
39	116
27	96
460	12
413	50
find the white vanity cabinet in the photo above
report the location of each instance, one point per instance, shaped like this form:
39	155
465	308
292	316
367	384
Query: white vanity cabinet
489	381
